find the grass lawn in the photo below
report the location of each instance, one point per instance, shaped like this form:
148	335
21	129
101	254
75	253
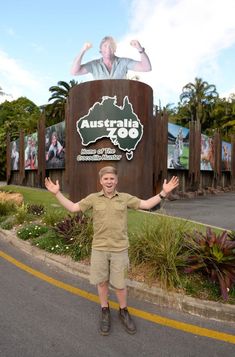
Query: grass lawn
35	196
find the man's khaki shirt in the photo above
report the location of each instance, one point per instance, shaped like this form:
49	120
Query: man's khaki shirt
110	219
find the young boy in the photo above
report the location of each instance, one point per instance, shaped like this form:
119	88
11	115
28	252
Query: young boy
109	257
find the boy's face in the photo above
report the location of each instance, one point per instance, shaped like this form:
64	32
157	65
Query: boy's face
109	183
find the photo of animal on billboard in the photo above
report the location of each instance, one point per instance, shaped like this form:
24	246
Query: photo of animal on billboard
178	147
226	156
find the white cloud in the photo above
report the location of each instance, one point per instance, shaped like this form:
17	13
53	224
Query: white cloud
183	39
17	81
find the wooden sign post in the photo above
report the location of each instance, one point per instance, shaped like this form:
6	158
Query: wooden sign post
110	122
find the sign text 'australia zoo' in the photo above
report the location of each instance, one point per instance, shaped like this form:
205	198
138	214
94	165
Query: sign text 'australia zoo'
108	120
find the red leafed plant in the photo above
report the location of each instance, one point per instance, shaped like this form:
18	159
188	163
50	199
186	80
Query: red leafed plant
214	255
70	226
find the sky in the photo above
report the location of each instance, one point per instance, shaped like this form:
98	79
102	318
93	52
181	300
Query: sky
184	39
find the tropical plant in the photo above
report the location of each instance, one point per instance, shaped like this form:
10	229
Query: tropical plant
214	255
199	99
229	122
68	227
76	232
223	117
35	209
59	96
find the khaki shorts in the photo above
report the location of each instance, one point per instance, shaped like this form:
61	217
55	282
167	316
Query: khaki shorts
109	266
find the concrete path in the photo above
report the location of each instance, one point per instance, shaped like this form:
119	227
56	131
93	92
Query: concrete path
216	210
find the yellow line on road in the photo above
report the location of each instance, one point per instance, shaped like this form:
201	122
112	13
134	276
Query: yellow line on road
139	313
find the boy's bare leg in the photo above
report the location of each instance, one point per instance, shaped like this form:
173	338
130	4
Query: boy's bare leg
103	294
122	297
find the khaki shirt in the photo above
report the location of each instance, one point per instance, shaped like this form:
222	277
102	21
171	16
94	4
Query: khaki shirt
110	219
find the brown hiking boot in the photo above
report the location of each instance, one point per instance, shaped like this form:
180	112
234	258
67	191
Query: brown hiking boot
105	322
127	321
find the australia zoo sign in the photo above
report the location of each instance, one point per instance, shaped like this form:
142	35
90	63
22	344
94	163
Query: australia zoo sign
106	119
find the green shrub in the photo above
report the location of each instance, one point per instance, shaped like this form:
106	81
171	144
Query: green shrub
82	241
51	218
2	219
160	246
198	285
8	223
214	255
50	242
21	214
31	231
7	208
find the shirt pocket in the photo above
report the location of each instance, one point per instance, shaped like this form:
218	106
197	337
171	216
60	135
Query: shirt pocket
99	207
119	206
99	214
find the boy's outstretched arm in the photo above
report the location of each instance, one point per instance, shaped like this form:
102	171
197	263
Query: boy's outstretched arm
55	189
166	189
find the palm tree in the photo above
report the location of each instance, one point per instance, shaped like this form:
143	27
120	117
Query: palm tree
199	98
59	96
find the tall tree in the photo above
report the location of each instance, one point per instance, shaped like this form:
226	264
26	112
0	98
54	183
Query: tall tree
15	115
224	114
55	112
199	98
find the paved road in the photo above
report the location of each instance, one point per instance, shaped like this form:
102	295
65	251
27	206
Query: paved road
40	319
216	210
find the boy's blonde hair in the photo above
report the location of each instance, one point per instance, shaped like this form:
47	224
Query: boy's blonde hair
107	170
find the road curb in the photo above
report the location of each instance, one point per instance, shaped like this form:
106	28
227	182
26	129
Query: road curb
158	296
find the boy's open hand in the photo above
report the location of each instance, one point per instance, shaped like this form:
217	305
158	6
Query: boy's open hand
171	185
51	186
